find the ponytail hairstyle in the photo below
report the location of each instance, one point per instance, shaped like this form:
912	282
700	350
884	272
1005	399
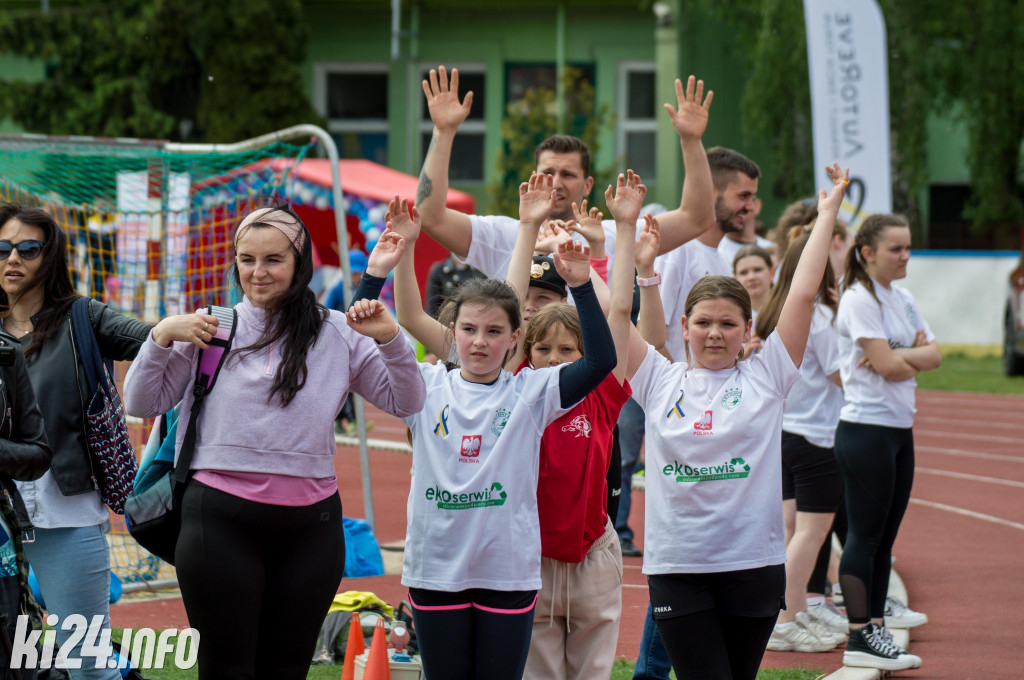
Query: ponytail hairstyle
550	316
480	291
869	234
800	213
296	316
53	274
714	287
768	318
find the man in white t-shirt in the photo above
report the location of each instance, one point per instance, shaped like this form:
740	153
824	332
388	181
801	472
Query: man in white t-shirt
731	244
487	242
734	177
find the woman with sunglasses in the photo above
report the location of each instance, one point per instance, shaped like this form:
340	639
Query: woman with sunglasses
69	555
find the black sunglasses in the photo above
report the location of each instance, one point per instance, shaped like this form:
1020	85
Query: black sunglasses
27	250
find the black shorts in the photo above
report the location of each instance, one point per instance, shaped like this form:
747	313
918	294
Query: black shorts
748	592
810	474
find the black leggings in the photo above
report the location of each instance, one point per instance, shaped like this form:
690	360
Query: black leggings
473	634
257	581
713	645
878	469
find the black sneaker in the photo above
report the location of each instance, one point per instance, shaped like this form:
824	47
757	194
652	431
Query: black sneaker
870	648
629	548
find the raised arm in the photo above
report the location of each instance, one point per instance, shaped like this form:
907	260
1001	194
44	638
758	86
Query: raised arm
696	212
795	318
583	375
408	305
535	202
624	206
651	321
450	228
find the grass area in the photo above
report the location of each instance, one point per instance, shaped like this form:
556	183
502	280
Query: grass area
623	670
971	374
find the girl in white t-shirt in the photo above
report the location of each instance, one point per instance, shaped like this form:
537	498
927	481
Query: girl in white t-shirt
472	551
811	482
883	343
714	541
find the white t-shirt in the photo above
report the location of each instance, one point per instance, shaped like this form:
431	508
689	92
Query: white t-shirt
870	398
727	248
680	269
812	407
714	462
494	238
472	510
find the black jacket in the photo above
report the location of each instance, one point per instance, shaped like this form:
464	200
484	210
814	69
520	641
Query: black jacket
24	453
59	380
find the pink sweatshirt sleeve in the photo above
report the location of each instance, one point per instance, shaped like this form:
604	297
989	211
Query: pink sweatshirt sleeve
388	376
158	378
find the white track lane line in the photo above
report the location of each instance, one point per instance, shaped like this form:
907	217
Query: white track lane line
968	513
969	477
969	454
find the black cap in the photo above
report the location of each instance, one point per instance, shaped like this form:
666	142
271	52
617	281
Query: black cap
544	275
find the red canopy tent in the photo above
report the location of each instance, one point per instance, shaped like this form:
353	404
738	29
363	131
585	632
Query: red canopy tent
367	179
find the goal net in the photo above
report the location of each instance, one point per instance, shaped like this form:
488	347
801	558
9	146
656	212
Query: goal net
149	230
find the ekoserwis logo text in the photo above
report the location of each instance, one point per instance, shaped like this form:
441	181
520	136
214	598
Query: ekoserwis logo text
149	649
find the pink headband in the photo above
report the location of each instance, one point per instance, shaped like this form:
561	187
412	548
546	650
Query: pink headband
280	220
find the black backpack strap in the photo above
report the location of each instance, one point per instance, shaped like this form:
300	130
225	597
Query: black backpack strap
207	369
85	340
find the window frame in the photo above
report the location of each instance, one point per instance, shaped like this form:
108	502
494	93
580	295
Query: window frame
626	124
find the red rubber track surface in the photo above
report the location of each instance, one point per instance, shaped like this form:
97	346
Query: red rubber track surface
958	551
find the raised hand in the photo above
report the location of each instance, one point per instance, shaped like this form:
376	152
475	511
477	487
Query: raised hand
372	319
443	99
536	199
588	225
625	203
405	221
572	262
647	247
198	328
550	235
690	119
830	202
385	255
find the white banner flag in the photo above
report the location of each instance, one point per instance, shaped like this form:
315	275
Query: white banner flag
847	59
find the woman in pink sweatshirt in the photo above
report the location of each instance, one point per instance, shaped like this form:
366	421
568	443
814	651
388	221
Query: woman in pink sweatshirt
261	551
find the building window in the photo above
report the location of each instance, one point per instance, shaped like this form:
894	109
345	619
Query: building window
637	117
467	160
354	99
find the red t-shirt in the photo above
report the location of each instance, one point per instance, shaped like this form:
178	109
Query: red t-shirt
572	491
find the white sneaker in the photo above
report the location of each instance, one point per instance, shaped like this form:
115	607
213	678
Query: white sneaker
887	634
796	638
899	615
869	648
820	630
829	616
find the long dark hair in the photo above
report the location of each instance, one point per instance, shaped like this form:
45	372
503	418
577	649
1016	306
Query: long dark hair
769	316
296	316
869	234
53	274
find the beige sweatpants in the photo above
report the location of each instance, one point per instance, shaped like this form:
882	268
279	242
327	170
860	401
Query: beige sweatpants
576	621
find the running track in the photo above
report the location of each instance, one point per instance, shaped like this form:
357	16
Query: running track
958	552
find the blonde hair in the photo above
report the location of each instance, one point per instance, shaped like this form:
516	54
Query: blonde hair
556	313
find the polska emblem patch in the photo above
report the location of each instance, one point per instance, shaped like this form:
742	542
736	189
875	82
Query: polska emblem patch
500	420
731	398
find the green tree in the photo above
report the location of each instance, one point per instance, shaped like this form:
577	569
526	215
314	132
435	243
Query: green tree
169	69
533	119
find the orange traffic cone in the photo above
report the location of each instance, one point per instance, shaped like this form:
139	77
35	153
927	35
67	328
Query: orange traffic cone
377	663
354	648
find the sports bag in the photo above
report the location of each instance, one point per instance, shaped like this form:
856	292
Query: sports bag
153	510
106	431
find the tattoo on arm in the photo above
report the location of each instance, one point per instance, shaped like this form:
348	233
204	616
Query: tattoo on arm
424	188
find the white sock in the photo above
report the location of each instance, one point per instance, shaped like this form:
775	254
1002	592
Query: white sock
816	600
